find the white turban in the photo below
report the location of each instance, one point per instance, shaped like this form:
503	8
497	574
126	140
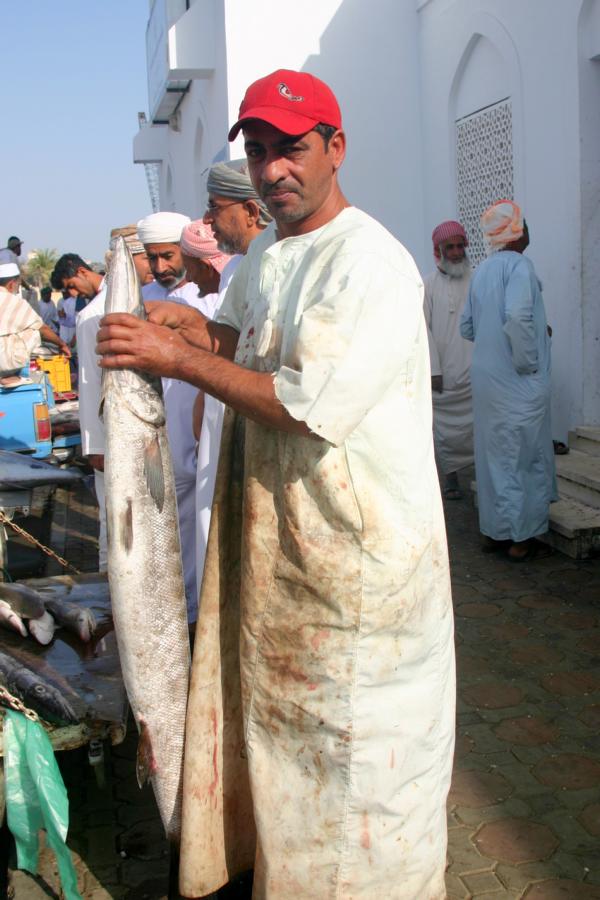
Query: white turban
501	224
9	270
162	228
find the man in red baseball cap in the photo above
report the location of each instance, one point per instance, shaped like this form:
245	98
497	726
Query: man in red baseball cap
320	733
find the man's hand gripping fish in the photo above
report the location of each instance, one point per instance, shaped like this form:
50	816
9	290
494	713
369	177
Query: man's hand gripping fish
144	560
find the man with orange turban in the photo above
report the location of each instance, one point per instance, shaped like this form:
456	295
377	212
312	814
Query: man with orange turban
510	377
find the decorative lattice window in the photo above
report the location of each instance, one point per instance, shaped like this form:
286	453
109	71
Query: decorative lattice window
484	167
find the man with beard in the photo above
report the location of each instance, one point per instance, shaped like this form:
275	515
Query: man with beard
160	233
446	291
234	210
320	726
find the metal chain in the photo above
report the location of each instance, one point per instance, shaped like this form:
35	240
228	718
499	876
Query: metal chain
64	563
7	699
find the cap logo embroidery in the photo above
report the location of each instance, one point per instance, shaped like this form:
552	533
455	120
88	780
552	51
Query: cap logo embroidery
285	92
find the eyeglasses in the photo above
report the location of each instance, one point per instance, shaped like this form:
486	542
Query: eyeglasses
213	209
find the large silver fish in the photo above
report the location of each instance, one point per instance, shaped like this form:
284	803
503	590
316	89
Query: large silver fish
144	560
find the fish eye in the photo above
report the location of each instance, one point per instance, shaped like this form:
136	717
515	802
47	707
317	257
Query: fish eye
39	689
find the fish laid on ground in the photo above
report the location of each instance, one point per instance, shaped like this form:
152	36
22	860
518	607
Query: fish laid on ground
144	559
35	692
78	619
26	604
19	471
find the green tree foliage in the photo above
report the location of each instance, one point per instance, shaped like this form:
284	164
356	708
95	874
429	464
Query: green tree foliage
39	267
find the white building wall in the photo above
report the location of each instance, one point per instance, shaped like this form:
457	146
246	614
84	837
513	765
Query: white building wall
404	71
475	53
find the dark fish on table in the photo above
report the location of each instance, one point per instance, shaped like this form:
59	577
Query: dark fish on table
19	471
35	692
78	619
41	667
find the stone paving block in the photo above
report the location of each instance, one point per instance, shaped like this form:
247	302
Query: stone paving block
516	840
591	715
573	621
570	684
509	631
477	610
590	819
144	840
561	889
476	789
484	738
541	601
136	872
536	654
493	695
483	883
475	817
464	855
568	770
455	888
464	744
589	644
527	731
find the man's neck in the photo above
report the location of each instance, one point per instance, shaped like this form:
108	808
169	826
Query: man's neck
332	207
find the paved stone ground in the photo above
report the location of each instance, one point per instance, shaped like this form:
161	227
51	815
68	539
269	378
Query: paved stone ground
524	810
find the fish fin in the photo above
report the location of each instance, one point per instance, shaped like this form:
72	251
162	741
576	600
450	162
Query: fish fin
153	470
10	619
43	628
145	763
126	526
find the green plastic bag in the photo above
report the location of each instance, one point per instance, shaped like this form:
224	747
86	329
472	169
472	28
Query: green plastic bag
36	798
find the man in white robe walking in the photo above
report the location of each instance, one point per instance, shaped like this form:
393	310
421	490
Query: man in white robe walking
446	291
319	735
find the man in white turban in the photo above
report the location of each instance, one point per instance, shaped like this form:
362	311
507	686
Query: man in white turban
160	233
510	376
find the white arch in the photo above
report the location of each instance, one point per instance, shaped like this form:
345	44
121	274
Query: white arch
484	25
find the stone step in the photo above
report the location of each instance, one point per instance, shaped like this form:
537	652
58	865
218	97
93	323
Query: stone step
578	476
585	439
574	527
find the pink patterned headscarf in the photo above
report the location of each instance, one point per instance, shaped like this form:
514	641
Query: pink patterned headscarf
198	240
444	231
501	224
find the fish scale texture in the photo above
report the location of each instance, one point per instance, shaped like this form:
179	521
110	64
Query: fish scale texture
148	600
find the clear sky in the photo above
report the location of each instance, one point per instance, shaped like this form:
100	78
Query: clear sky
74	79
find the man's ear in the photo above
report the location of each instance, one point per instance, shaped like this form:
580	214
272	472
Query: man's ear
337	148
253	210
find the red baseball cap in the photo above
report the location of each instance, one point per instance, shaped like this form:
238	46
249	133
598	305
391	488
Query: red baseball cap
293	102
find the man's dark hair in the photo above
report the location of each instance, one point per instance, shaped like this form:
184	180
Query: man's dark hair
326	132
67	267
46	292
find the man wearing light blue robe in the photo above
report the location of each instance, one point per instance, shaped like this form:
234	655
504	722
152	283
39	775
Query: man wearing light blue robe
510	374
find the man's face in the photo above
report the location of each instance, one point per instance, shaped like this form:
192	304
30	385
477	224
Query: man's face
166	264
142	267
295	176
80	283
16	248
454	249
228	220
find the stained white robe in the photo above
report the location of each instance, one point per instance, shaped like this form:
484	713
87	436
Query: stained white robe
321	705
450	356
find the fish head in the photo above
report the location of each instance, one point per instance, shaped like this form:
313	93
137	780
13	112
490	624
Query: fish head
86	624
